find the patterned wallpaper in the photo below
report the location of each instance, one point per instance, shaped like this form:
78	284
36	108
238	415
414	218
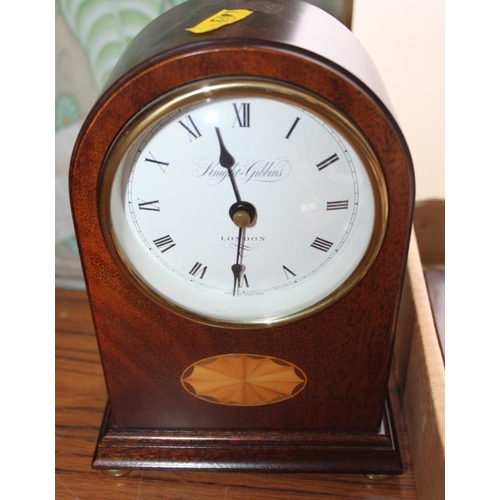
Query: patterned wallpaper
90	36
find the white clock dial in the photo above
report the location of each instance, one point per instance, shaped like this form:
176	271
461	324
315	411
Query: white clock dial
307	197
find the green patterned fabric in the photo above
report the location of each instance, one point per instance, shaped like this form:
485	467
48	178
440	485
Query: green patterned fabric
90	37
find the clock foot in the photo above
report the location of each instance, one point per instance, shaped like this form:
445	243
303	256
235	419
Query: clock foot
117	472
379	477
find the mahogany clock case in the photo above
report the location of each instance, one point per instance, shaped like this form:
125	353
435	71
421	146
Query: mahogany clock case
341	421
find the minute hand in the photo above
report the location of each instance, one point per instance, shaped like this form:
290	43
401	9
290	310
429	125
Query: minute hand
237	268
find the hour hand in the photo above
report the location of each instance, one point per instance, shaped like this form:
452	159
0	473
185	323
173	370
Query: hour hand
225	159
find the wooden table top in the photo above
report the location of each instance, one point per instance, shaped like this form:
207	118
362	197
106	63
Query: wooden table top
80	401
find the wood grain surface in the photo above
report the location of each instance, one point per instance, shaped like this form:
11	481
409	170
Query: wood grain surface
80	402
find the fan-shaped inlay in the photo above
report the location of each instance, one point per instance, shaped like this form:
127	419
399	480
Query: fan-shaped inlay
243	380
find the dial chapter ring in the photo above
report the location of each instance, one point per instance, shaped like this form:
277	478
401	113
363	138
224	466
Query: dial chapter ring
227	87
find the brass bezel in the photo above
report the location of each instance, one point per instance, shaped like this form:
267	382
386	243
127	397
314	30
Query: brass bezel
196	92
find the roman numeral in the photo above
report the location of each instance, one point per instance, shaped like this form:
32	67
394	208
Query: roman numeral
329	161
164	243
288	272
242	114
191	127
292	128
198	270
321	244
161	164
337	205
152	206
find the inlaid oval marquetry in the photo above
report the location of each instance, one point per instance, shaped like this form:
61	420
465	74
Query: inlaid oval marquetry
243	380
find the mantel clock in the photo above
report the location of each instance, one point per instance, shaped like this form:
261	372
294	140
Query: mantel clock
242	198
